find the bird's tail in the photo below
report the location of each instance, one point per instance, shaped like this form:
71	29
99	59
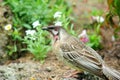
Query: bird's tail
110	73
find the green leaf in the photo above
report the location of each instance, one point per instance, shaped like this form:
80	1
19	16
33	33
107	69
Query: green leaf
26	26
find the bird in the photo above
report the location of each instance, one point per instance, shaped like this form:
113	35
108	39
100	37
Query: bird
70	50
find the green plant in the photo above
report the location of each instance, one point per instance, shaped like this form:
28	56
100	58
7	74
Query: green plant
114	7
67	24
25	12
96	12
95	37
36	42
114	11
64	20
94	41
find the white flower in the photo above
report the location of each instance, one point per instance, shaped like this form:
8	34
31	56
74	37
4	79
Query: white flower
8	27
57	14
35	24
113	38
32	38
30	32
58	23
83	36
99	19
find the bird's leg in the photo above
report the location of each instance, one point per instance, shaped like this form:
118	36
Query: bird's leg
72	74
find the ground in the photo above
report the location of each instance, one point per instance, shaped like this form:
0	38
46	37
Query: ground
26	68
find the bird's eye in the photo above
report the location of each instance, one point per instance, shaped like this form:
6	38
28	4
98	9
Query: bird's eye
56	29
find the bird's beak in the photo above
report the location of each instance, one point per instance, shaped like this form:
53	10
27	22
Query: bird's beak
48	28
45	28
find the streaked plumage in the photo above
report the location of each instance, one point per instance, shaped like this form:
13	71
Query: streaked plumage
71	50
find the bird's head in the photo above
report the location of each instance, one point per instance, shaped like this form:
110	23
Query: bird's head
54	30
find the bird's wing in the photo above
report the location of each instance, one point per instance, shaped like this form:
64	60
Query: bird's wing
76	53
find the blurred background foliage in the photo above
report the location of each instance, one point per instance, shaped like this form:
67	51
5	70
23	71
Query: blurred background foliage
25	13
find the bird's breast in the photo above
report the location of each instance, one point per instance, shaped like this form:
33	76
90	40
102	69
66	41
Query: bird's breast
57	50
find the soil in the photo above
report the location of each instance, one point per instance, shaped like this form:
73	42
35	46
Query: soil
26	68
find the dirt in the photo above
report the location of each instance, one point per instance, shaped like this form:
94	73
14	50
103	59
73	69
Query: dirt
5	18
26	68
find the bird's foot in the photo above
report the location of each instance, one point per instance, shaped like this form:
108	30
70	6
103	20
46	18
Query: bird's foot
71	74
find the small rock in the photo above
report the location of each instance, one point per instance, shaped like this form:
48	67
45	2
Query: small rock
48	69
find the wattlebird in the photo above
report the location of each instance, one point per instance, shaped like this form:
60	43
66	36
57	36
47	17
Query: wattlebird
72	51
